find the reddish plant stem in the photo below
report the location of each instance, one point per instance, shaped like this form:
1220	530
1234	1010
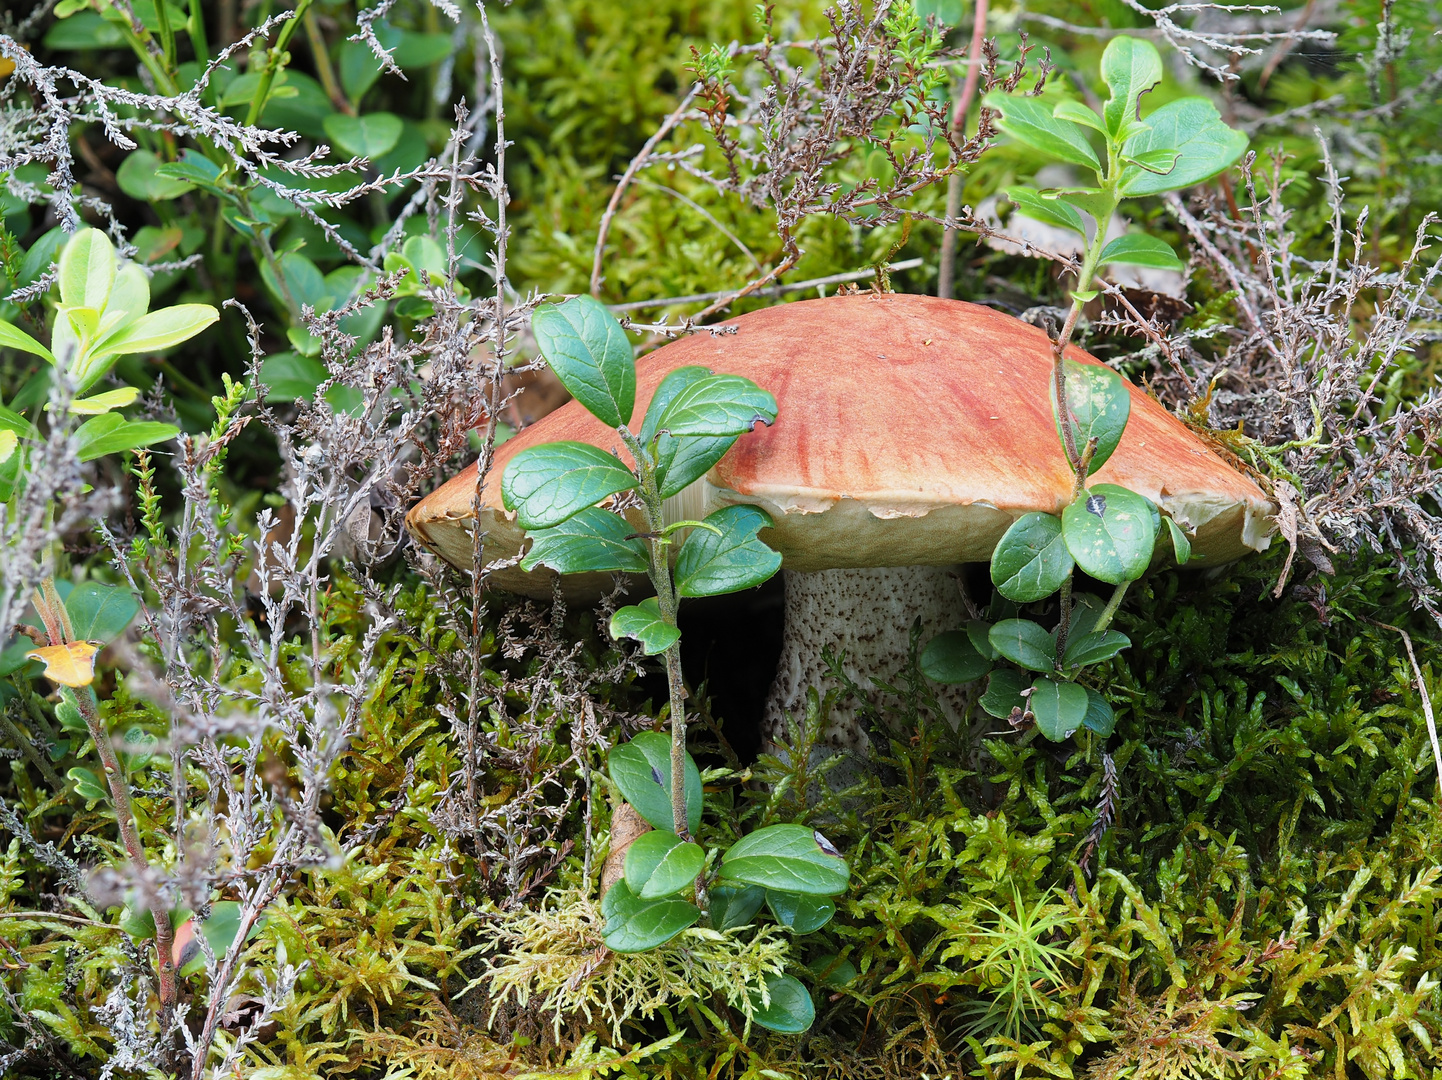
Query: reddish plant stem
134	849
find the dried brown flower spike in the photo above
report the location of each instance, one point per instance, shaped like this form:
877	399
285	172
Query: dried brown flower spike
911	432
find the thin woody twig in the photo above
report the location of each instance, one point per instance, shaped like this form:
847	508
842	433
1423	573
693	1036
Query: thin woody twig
946	274
775	290
1422	692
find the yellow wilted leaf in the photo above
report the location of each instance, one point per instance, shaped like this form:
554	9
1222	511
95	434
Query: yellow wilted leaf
71	664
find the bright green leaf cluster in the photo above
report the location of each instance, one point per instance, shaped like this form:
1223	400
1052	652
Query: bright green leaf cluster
1106	531
695	415
102	314
790	869
1180	144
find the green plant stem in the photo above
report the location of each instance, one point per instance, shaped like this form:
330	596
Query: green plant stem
1084	281
273	60
268	254
323	68
1109	612
666	601
125	817
144	47
167	33
195	27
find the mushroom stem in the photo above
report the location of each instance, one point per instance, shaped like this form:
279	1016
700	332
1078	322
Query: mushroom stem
867	616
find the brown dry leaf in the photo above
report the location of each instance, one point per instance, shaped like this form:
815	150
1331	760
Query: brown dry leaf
71	664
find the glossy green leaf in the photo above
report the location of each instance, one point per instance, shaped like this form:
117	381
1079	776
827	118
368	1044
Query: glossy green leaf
544	485
951	658
100	612
1059	707
412	49
734	905
659	863
104	403
1029	121
10	420
1139	249
641	768
1181	546
110	433
84	30
220	930
1094	647
979	632
1099	715
594	540
1161	162
788	858
68	713
833	971
160	329
1086	609
947	12
588	351
1031	560
718	405
1024	642
681	462
712	563
1130	67
1094	201
1078	113
12	337
243	89
303	280
1100	405
288	376
367	136
1031	202
1193	128
643	622
359	69
790	1010
803	914
1003	692
634	925
192	167
138	179
42	255
129	297
674	382
1109	533
88	784
87	269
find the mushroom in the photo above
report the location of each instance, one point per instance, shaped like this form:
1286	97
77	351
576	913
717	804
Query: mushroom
911	432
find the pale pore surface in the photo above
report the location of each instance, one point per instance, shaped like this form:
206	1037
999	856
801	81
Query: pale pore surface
867	614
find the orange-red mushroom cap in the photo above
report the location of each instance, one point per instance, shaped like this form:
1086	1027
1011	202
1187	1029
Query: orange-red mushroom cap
911	431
